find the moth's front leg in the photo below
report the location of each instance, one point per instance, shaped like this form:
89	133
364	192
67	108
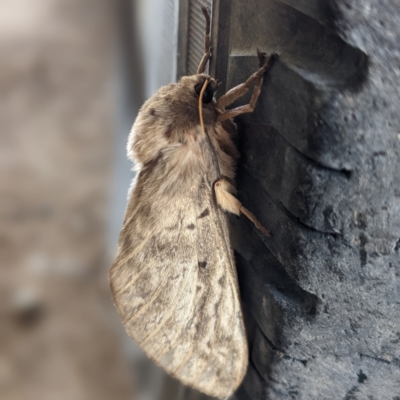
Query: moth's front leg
228	202
238	91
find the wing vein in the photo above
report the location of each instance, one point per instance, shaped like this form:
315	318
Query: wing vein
230	280
179	367
156	293
171	311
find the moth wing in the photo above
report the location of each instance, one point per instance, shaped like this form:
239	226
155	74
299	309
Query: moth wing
176	289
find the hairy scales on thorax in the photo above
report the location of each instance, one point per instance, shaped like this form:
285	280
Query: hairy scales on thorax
168	129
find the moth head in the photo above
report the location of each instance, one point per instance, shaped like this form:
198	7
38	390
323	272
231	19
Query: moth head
181	101
174	108
210	89
192	86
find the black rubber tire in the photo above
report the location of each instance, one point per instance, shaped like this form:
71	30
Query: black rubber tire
320	168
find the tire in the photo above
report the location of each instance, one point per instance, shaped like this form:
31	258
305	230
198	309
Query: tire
320	169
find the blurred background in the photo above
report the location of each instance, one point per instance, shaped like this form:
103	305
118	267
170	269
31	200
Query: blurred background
73	74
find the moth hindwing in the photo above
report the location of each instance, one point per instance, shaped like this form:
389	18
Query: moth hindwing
174	279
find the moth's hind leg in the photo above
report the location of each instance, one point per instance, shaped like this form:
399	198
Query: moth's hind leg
228	202
207	48
238	91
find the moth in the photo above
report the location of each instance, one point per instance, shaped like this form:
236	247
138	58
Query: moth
174	279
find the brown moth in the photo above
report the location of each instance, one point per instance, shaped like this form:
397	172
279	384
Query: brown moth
174	280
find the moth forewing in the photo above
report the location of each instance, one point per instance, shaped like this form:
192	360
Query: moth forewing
174	280
177	288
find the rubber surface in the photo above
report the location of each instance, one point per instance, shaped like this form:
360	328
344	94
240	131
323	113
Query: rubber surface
321	170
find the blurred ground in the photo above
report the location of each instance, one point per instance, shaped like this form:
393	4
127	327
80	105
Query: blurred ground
58	333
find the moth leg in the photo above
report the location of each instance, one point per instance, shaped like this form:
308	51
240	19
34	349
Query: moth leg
241	89
207	48
228	202
238	91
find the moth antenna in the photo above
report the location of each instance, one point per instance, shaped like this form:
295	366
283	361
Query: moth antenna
207	47
201	105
